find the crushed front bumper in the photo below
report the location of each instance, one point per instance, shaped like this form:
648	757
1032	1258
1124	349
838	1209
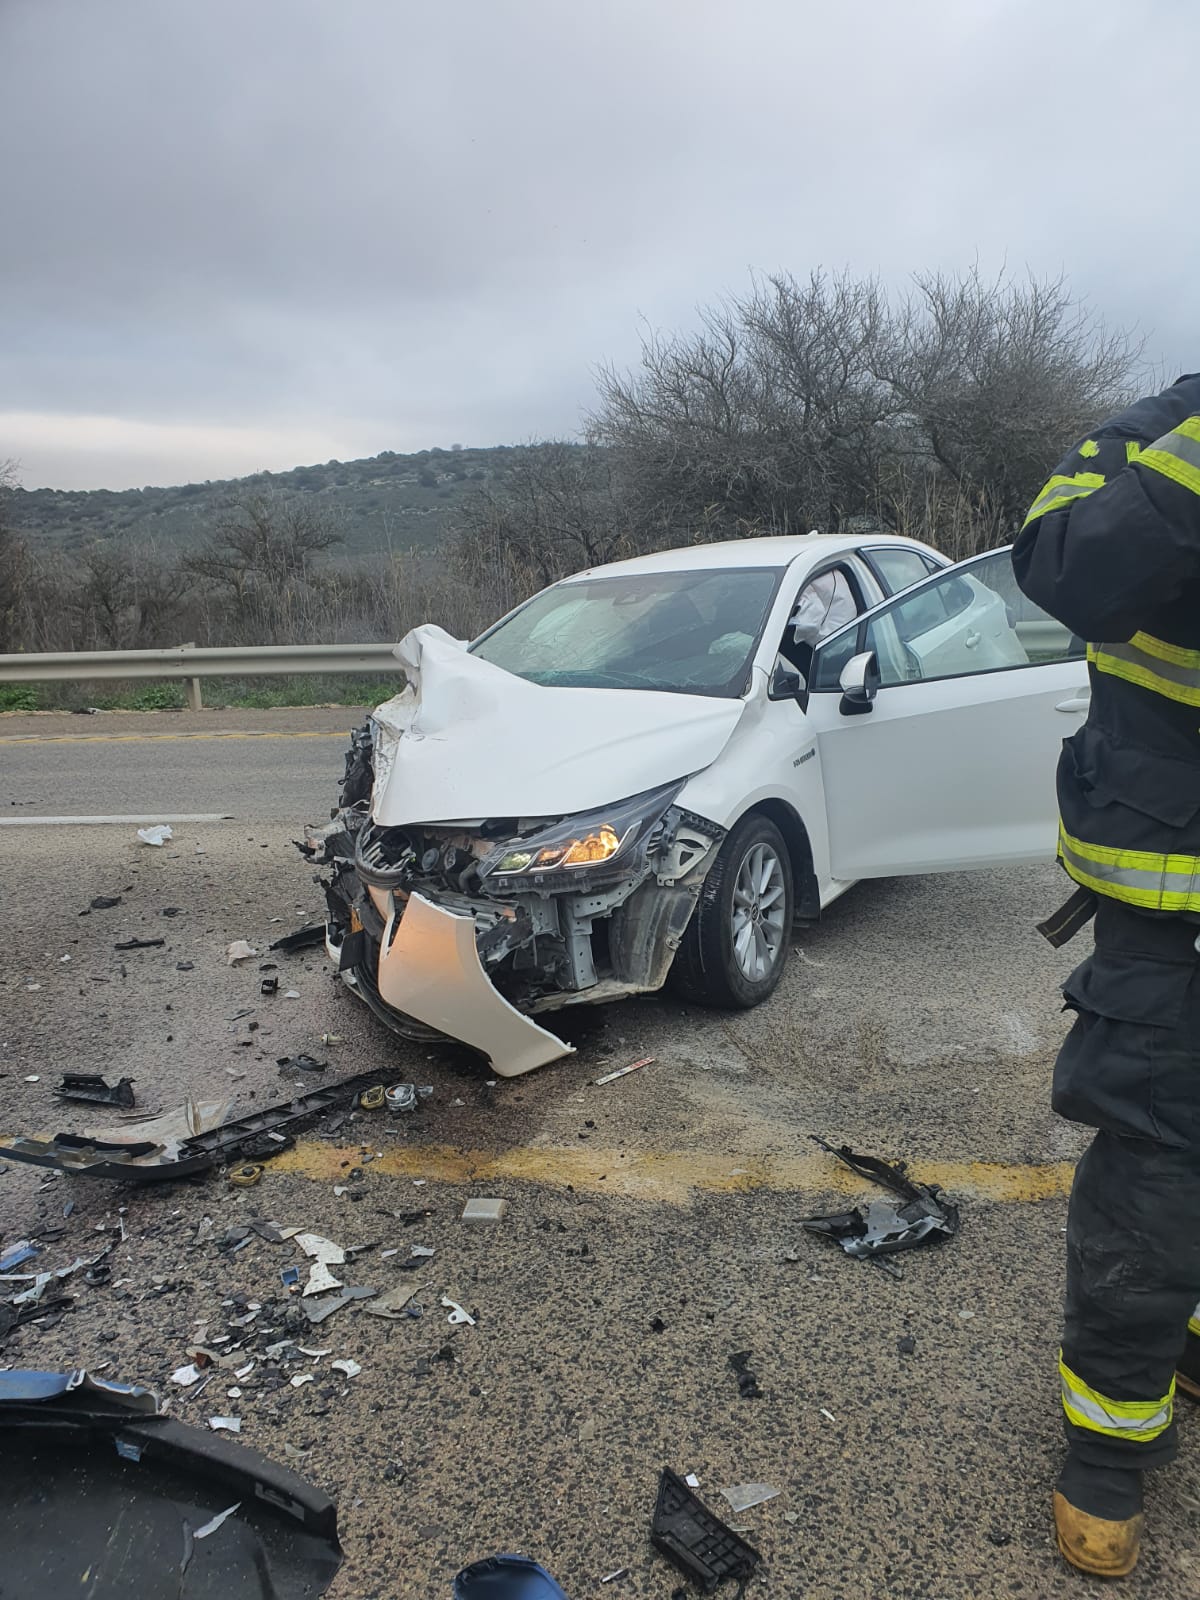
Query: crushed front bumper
429	969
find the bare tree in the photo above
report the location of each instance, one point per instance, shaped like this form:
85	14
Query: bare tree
558	509
997	379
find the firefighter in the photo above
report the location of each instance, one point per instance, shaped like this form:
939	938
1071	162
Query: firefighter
1111	547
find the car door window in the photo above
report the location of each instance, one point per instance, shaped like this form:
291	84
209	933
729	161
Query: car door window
969	619
826	602
899	568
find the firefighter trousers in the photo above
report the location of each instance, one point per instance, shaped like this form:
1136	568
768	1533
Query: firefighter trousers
1130	1068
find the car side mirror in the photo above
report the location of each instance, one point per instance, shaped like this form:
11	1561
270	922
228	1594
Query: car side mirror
786	683
859	684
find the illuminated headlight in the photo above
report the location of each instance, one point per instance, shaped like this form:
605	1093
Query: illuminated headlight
586	841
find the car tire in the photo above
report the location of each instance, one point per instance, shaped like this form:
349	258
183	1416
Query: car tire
735	947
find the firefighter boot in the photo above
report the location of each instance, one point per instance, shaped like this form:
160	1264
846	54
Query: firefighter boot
1098	1517
1187	1376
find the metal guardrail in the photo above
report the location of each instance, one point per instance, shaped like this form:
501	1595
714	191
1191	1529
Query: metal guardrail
193	663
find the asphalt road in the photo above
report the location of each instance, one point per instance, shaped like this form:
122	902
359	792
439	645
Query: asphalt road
653	1223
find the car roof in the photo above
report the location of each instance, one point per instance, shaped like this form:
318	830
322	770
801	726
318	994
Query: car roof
774	550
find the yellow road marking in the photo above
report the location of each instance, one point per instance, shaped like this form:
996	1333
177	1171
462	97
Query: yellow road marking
669	1176
152	738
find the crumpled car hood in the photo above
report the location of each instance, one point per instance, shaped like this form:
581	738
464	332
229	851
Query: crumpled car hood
470	740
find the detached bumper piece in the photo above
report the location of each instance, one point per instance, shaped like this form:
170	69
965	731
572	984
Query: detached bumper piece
431	970
91	1087
255	1137
695	1540
924	1217
104	1496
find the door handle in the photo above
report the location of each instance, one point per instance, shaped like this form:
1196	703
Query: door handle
971	640
1079	701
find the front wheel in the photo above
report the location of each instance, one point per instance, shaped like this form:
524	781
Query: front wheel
736	944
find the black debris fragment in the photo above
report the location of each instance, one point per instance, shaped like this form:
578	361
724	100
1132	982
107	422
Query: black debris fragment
185	966
925	1216
907	1345
91	1087
140	944
695	1540
199	1515
302	939
747	1381
172	911
300	1064
102	902
269	986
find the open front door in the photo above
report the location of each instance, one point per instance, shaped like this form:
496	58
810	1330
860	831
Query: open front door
946	758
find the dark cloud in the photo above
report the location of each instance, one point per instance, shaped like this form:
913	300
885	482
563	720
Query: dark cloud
387	226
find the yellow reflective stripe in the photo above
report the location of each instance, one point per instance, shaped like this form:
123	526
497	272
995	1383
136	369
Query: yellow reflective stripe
1140	1420
1132	450
1149	669
1177	654
1194	1324
1137	877
1177	454
1089	448
1061	488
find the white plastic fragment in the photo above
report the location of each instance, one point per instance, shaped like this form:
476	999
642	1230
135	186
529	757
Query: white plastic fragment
321	1249
692	1481
33	1078
422	1250
457	1316
349	1367
301	1378
321	1280
186	1376
225	1424
484	1210
157	835
239	950
828	1415
244	1372
211	1527
742	1496
291	994
233	1394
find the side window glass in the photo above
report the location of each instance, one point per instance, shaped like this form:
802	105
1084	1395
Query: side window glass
897	569
968	620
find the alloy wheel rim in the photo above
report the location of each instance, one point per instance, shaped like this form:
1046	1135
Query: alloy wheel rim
758	904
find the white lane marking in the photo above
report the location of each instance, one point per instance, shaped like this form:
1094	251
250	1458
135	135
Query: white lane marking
154	816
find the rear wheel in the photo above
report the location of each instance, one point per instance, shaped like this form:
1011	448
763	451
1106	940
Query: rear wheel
736	944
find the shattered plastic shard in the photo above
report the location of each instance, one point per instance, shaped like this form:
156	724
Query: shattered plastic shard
458	1317
484	1210
157	835
349	1367
320	1280
239	950
742	1496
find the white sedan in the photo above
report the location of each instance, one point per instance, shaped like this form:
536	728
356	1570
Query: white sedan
650	770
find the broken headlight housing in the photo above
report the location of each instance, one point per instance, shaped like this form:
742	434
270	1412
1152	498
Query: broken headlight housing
581	848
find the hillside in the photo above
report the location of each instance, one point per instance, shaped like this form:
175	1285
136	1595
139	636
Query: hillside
387	501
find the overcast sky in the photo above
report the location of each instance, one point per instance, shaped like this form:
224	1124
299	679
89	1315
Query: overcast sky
238	234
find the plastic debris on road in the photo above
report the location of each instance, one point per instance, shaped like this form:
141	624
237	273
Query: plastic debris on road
458	1318
91	1088
401	1097
695	1540
506	1578
239	950
623	1072
924	1216
225	1424
742	1496
394	1303
349	1367
156	835
747	1381
484	1210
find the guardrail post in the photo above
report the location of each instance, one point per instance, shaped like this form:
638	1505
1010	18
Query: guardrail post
194	699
